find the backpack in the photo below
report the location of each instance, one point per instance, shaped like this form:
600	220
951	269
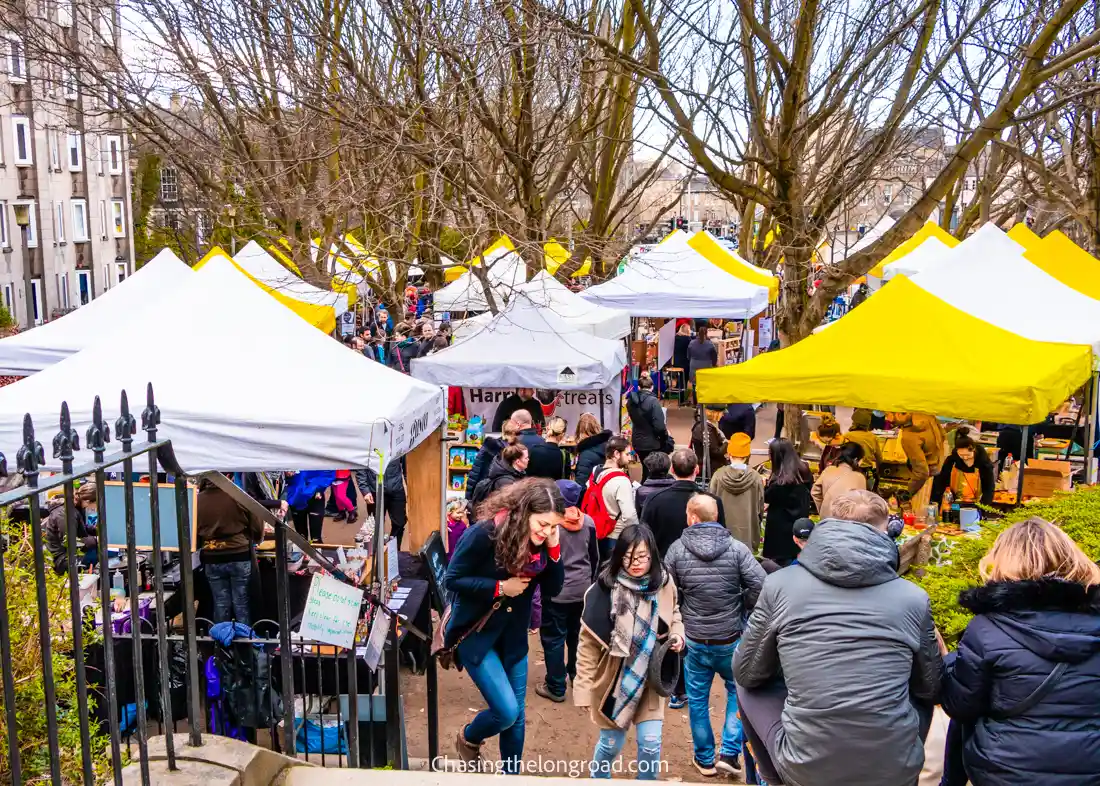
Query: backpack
593	504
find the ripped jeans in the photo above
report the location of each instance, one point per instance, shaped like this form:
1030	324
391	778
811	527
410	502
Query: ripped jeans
611	741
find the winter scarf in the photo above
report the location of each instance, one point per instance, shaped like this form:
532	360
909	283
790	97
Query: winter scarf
634	613
573	519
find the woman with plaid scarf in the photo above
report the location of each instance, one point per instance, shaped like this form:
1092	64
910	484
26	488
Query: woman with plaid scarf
626	612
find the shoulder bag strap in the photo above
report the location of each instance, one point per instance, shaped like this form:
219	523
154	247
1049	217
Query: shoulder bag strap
1037	695
475	628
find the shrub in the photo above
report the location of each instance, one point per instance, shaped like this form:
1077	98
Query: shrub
1077	513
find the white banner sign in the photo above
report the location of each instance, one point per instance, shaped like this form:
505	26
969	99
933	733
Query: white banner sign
566	404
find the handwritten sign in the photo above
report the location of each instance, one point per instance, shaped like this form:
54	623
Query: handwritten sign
332	612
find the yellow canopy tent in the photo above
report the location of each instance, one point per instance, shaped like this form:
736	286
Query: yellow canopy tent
321	317
1023	235
929	229
722	257
557	255
454	273
1068	262
857	362
280	251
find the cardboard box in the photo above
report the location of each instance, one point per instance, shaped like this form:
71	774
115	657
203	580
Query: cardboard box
1042	478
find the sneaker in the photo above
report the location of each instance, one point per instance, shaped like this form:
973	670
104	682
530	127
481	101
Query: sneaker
543	690
677	702
468	752
339	516
728	765
706	770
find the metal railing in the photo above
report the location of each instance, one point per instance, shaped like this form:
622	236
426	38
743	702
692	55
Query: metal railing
134	693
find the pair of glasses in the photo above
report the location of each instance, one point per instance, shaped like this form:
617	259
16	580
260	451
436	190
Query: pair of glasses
637	559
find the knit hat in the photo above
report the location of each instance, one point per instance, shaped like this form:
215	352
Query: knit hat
570	492
862	418
740	446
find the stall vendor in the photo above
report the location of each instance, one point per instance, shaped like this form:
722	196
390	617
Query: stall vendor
862	435
922	441
967	472
829	438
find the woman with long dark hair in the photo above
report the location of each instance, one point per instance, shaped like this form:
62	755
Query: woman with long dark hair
787	495
627	611
492	577
967	472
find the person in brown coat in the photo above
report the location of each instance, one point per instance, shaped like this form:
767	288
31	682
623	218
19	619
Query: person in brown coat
838	478
861	433
922	441
55	528
717	442
226	534
626	613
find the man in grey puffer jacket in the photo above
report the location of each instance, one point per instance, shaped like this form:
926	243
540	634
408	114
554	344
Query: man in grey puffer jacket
856	647
719	582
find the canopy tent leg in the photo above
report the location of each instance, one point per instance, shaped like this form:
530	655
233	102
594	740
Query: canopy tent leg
1090	431
1021	460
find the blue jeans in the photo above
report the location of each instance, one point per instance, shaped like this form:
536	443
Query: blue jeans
560	634
703	661
229	586
505	691
611	742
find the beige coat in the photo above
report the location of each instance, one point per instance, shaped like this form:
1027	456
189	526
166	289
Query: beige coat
834	481
598	670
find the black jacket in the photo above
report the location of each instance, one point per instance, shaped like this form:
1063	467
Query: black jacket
590	454
547	460
402	354
941	481
701	354
680	352
512	404
717	445
499	476
1021	631
647	418
786	504
490	449
652	485
738	419
665	513
472	577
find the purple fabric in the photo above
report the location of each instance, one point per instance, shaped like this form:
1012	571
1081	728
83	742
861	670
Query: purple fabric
455	528
536	610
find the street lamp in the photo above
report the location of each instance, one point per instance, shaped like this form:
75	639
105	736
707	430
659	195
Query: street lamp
23	221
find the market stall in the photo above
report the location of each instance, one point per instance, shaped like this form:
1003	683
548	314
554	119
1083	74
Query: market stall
1069	263
505	270
103	319
929	231
732	262
227	403
263	267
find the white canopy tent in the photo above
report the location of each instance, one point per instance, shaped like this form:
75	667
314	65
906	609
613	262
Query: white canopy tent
918	260
546	291
102	319
506	271
226	406
870	236
262	266
673	279
988	276
526	346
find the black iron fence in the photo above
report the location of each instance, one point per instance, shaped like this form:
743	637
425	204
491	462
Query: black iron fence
136	657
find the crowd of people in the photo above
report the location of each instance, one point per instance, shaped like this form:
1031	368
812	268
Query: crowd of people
643	592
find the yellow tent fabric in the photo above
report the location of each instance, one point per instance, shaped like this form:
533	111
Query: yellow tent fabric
346	288
930	229
1068	262
453	273
283	257
321	317
719	255
858	362
1023	235
557	255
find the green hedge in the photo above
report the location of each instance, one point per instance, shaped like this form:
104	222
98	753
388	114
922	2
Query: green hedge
1078	514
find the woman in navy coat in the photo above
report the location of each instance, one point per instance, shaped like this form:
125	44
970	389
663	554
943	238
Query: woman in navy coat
496	567
1023	688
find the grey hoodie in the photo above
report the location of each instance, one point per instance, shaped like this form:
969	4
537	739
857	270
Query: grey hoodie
855	644
718	578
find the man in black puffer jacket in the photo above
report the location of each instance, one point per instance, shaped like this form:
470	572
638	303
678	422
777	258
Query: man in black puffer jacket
647	418
719	581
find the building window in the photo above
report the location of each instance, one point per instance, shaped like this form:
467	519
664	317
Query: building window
118	222
970	184
69	83
59	221
866	198
106	277
114	155
84	284
887	194
107	24
36	299
80	220
21	133
120	272
202	229
65	13
9	303
63	288
17	60
103	219
95	153
5	241
908	195
169	184
76	153
32	228
55	148
171	220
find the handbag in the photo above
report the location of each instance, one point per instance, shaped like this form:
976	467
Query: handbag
446	655
668	444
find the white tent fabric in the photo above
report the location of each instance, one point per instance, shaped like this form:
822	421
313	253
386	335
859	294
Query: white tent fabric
869	237
918	260
226	405
546	291
102	319
526	346
506	271
262	266
674	280
988	276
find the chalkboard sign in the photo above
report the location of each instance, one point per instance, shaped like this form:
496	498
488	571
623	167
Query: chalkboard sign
435	558
112	514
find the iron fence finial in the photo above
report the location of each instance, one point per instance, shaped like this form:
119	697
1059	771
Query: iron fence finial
125	425
99	433
66	440
31	456
150	416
